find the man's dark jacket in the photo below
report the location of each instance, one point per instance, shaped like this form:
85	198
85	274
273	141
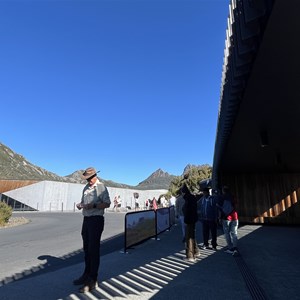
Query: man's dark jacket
190	207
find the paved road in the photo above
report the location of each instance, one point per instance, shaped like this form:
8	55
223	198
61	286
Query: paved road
48	240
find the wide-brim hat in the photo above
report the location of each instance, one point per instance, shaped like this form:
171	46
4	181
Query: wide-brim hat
89	172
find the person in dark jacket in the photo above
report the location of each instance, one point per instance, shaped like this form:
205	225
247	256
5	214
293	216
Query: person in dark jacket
190	219
208	215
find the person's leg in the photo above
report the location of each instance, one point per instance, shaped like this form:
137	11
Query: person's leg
213	231
189	241
95	232
205	232
226	229
196	250
181	220
85	240
233	233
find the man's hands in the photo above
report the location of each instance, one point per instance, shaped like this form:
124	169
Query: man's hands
101	205
79	206
85	206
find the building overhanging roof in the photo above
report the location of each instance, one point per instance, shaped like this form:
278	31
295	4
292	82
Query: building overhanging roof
258	87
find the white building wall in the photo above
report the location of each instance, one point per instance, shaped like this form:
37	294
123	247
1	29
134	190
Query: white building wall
61	196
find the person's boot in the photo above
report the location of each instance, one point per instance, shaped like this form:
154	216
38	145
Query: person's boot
81	280
88	286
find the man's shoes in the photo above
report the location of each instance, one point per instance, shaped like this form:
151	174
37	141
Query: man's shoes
88	286
203	247
81	280
189	259
235	252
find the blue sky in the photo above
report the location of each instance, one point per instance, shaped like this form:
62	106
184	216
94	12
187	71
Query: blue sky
125	86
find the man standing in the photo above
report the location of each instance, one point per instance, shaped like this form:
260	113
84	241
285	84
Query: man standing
190	218
207	214
94	200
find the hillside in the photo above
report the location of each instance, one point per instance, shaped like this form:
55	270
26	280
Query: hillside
157	180
15	167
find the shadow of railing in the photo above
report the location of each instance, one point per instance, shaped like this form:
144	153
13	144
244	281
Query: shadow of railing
157	274
164	274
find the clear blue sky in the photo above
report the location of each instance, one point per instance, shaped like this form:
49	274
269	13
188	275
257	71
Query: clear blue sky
125	86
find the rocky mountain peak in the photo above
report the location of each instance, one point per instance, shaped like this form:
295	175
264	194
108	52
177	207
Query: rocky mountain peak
158	173
158	179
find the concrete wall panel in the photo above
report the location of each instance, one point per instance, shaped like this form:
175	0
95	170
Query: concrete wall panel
61	196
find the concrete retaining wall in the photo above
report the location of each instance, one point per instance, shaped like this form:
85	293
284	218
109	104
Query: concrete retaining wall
61	196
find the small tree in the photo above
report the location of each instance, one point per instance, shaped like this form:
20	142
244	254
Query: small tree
5	213
192	178
175	185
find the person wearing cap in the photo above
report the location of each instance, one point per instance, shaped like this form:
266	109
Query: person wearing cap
95	198
208	215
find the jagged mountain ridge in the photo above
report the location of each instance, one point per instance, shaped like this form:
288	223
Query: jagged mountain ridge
157	180
14	166
76	176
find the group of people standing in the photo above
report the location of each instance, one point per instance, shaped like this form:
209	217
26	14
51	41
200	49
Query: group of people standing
209	210
189	209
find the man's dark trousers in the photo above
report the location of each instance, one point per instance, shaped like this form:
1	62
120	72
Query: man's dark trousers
92	229
211	227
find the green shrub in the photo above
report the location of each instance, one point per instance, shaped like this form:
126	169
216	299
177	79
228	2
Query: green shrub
5	213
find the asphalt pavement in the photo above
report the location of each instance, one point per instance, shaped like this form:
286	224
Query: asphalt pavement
268	267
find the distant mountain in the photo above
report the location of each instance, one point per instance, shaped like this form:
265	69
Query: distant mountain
76	176
15	167
157	180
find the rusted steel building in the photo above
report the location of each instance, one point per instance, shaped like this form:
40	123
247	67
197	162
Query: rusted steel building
257	149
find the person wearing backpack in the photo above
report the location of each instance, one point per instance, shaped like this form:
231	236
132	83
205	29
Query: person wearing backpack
207	214
230	222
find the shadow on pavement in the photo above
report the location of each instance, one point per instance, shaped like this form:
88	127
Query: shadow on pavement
55	263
